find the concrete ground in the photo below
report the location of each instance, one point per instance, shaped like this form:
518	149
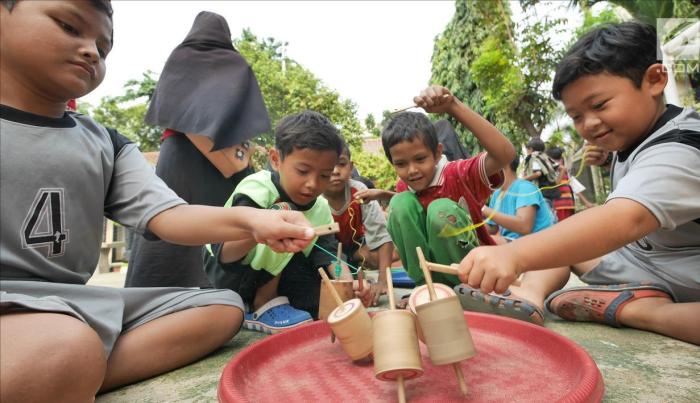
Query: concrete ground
636	366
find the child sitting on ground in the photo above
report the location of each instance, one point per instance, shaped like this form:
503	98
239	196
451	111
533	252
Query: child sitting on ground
282	290
60	174
642	246
435	194
518	206
363	231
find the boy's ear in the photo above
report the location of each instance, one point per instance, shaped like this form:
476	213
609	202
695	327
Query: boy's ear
438	152
275	158
655	79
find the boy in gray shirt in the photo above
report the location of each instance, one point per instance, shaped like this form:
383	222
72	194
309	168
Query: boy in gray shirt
60	173
640	251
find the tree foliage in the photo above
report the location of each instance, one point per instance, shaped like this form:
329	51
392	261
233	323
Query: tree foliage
376	167
287	88
371	126
497	68
649	10
125	112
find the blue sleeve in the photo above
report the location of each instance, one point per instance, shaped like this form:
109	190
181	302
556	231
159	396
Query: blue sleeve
528	195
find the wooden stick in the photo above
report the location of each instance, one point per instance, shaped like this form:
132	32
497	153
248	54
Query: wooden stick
402	391
442	268
327	283
426	273
392	306
460	378
360	280
327	229
390	289
412	106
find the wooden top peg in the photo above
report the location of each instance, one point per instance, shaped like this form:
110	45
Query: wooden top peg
426	273
327	229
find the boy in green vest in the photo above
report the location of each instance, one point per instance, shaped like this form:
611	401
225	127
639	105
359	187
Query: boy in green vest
281	290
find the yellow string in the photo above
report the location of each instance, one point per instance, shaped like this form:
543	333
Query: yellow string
351	213
450	231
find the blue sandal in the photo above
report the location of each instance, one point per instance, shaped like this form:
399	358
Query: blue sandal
276	316
474	300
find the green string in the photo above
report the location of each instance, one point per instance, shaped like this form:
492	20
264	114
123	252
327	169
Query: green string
337	264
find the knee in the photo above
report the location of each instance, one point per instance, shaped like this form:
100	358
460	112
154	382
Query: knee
225	321
68	362
402	205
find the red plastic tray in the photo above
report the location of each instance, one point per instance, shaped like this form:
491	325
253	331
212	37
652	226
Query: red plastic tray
515	361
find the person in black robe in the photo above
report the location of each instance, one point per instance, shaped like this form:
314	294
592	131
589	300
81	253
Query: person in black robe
209	101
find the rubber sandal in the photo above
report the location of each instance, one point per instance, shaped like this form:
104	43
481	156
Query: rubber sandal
276	316
599	303
474	300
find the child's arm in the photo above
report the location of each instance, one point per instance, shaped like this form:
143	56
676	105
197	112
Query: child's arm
282	231
522	222
587	235
500	151
367	195
532	176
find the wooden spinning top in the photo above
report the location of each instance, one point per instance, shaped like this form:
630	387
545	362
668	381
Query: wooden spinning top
326	302
396	351
350	323
444	327
421	295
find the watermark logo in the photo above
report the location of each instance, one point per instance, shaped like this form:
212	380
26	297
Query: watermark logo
679	38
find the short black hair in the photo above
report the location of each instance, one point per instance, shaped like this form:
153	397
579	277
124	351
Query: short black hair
536	144
346	151
407	126
626	49
104	6
515	163
555	153
307	129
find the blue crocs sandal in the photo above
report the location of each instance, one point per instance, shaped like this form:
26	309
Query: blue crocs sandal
276	316
473	299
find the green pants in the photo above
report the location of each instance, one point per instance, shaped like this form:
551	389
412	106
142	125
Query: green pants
410	226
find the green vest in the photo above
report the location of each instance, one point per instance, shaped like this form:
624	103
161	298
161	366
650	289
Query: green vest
260	188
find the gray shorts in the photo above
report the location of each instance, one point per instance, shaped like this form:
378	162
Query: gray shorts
618	268
109	311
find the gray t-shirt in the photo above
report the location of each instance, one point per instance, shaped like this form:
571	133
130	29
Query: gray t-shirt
665	178
58	179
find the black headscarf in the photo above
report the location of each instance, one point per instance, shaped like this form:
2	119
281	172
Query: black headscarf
452	148
208	88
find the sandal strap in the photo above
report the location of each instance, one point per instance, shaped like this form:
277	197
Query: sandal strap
277	301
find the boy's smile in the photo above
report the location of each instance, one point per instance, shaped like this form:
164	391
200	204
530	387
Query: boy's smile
414	162
304	173
609	111
53	50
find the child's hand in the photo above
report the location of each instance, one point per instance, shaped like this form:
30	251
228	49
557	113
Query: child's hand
370	292
435	99
282	231
490	268
595	155
367	195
